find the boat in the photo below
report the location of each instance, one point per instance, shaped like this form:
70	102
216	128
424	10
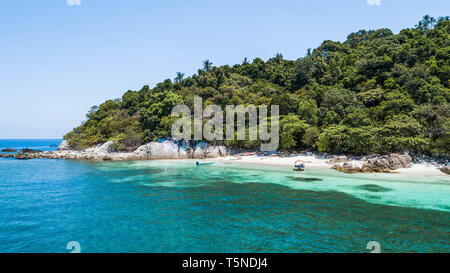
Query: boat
299	166
204	163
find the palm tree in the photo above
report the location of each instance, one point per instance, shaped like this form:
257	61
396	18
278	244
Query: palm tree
278	57
207	65
427	22
245	61
179	77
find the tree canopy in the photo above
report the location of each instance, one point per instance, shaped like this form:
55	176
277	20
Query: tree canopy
376	92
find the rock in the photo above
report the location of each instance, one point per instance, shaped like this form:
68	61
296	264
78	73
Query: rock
26	150
446	170
164	149
366	168
224	151
387	163
397	161
142	152
63	146
6	155
338	159
8	150
380	164
104	148
199	150
346	168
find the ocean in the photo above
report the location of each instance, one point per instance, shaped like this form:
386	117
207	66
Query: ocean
174	206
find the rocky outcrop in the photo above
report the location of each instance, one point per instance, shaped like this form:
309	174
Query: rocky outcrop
445	169
161	149
338	159
27	154
8	150
30	151
380	164
63	146
346	168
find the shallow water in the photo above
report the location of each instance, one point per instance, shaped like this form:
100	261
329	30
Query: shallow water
173	206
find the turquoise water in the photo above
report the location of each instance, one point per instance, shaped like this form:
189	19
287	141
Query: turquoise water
173	206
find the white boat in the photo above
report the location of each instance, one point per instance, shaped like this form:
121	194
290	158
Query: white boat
204	163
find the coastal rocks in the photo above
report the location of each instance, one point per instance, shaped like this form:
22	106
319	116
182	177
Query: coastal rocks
388	162
161	149
381	164
63	146
104	148
31	151
199	150
445	169
205	150
28	154
338	159
8	150
346	168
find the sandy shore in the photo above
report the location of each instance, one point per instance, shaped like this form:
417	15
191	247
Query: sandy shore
317	162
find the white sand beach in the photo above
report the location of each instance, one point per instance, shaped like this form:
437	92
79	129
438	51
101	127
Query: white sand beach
318	162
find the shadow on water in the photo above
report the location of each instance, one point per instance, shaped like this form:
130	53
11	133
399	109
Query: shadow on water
305	179
373	188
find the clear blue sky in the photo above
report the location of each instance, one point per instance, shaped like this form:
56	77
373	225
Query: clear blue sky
57	60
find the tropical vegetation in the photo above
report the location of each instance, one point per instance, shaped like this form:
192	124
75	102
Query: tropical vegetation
376	92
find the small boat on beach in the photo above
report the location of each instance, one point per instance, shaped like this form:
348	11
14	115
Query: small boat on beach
299	166
198	163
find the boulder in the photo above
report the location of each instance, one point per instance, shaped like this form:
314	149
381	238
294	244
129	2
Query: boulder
63	146
164	149
387	163
346	168
142	152
445	169
397	161
8	150
199	150
224	151
212	151
338	159
380	164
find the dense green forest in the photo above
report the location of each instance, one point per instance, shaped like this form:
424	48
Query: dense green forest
377	92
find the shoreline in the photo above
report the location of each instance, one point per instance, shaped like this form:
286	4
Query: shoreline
321	163
173	150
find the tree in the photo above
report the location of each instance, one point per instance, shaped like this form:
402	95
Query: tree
292	130
278	58
179	77
207	65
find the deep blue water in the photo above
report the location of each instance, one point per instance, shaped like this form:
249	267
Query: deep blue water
35	144
172	206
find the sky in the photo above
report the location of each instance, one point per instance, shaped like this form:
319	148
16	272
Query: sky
60	57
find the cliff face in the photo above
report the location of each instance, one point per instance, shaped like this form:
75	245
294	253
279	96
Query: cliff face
161	149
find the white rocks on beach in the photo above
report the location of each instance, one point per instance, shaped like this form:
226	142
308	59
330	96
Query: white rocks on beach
161	149
383	164
63	146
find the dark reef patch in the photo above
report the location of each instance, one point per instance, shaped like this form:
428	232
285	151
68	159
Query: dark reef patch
305	179
373	188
